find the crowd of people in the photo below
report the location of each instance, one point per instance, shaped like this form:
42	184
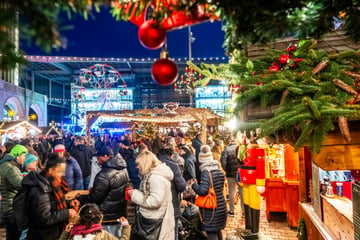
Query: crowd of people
154	174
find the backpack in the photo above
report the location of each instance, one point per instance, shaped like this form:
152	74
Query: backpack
20	209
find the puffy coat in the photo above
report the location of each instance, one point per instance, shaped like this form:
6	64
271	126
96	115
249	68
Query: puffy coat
11	178
229	160
82	154
73	175
178	184
108	191
45	220
158	204
189	168
218	222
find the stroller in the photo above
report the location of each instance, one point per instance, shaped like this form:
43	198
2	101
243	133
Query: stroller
189	224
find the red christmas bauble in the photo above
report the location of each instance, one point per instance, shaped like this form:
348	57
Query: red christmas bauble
284	59
151	37
164	72
274	68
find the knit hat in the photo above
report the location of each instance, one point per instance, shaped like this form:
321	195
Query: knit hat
59	148
205	154
29	158
18	150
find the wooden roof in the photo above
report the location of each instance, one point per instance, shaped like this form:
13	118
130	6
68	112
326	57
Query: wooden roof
164	116
8	126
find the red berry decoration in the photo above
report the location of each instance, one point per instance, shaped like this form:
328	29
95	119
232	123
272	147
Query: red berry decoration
284	58
273	68
164	71
150	36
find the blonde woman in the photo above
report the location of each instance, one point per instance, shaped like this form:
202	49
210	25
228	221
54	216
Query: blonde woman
154	197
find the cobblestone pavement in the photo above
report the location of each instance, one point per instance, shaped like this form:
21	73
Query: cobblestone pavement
274	229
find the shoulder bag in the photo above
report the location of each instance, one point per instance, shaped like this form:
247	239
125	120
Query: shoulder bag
208	201
145	228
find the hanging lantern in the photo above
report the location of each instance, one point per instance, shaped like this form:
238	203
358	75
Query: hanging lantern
164	71
150	36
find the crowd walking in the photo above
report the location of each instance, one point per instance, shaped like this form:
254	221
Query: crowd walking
160	177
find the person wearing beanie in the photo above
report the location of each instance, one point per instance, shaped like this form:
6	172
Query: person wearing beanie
213	220
30	164
48	210
11	177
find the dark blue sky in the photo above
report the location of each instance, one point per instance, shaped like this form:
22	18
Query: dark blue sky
106	37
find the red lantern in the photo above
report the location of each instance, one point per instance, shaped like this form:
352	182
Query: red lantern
284	59
150	36
164	71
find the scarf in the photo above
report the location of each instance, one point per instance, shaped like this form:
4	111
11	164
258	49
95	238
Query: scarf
83	229
145	186
59	190
209	165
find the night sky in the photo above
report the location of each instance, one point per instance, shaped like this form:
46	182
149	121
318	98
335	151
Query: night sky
103	36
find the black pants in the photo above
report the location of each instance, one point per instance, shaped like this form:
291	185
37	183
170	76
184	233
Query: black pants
11	229
215	235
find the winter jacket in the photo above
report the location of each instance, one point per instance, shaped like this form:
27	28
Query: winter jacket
102	234
229	160
178	184
189	168
197	143
157	145
11	178
179	161
158	204
148	143
45	220
130	156
82	154
108	191
218	222
73	174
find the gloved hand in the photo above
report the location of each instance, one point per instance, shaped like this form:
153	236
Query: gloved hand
260	189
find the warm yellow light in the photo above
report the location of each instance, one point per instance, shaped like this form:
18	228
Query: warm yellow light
11	113
32	117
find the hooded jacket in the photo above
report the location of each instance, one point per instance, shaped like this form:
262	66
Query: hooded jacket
108	191
158	204
178	184
130	156
11	178
83	155
45	220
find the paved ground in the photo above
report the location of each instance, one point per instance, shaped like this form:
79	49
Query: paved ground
275	229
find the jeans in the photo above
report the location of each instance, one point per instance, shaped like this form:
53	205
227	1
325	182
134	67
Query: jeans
232	183
114	229
86	181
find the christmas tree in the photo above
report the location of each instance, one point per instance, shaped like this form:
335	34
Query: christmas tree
146	130
311	88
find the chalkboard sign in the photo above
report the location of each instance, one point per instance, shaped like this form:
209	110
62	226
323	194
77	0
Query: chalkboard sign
316	190
356	209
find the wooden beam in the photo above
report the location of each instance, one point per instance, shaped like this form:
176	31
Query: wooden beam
338	157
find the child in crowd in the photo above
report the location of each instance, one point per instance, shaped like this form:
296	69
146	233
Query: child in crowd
88	226
30	164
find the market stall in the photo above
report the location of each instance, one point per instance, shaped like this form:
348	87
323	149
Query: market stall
17	130
171	115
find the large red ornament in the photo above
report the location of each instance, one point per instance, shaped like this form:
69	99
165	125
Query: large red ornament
284	58
273	68
150	36
164	71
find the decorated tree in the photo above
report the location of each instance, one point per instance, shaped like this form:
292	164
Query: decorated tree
145	130
254	21
192	131
311	88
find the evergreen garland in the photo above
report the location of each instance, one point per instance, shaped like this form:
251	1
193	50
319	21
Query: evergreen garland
301	230
312	90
